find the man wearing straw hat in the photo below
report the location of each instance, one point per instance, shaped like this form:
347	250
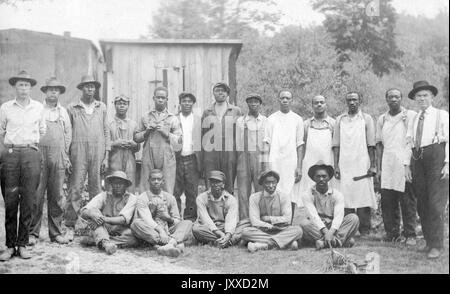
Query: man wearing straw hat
21	127
55	156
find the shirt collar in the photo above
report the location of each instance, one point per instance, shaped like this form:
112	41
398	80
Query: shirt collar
326	119
429	109
20	105
249	117
266	194
223	197
358	114
58	106
110	194
96	103
328	193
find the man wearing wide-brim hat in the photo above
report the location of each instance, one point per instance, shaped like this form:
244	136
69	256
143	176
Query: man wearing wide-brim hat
326	224
21	127
109	215
270	217
428	138
89	151
55	158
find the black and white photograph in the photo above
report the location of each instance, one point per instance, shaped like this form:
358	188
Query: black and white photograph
214	138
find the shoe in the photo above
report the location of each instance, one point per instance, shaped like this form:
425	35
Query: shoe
411	241
320	244
32	240
60	239
7	254
169	250
424	249
350	243
180	246
254	246
434	253
87	241
109	247
23	252
294	245
70	233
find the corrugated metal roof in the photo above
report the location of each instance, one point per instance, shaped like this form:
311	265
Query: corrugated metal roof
174	41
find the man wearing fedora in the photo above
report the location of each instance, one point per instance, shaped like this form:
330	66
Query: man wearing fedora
123	148
428	137
109	215
218	133
392	151
21	127
89	149
250	130
270	216
55	158
326	224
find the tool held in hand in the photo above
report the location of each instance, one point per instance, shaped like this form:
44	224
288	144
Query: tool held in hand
368	175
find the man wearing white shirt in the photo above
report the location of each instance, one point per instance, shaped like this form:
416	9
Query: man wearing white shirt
428	137
188	161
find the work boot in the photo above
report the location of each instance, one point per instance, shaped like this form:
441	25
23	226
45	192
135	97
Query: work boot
434	253
87	241
294	245
255	246
320	244
411	241
109	247
169	250
70	233
350	243
7	254
23	252
60	239
32	240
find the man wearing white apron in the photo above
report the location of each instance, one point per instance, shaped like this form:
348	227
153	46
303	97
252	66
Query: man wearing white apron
354	156
284	139
392	151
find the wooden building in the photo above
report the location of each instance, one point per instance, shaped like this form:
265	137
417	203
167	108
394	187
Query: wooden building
136	67
43	55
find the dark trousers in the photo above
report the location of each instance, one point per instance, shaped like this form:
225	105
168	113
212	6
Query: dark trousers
391	203
363	214
51	180
20	179
187	178
431	192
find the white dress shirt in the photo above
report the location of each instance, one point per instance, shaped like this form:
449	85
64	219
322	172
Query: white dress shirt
187	125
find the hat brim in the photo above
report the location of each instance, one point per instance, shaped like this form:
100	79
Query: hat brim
328	168
81	85
128	182
268	174
256	97
62	89
14	80
431	88
216	178
189	95
225	86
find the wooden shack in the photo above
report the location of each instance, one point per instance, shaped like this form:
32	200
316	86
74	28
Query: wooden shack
43	55
136	67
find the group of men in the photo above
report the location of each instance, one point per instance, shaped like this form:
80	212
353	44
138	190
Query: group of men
275	204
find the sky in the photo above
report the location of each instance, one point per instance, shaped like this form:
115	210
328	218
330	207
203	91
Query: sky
129	19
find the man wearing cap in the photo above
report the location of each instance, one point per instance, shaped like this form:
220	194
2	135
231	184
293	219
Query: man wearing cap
189	165
21	127
218	133
354	156
109	215
158	220
270	216
428	138
249	145
326	224
392	151
89	149
161	132
217	214
123	147
55	156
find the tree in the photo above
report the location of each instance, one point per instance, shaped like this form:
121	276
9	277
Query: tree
355	30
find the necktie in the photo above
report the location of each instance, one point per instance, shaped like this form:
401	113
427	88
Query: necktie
419	130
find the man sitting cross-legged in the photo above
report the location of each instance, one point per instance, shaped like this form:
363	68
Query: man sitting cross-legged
270	215
326	224
157	220
109	214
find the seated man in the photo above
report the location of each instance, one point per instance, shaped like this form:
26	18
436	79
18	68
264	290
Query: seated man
158	220
326	224
270	214
109	214
217	212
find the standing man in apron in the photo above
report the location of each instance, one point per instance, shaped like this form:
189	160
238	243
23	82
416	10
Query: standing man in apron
162	134
249	145
428	136
89	150
55	158
123	148
392	151
318	141
354	156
